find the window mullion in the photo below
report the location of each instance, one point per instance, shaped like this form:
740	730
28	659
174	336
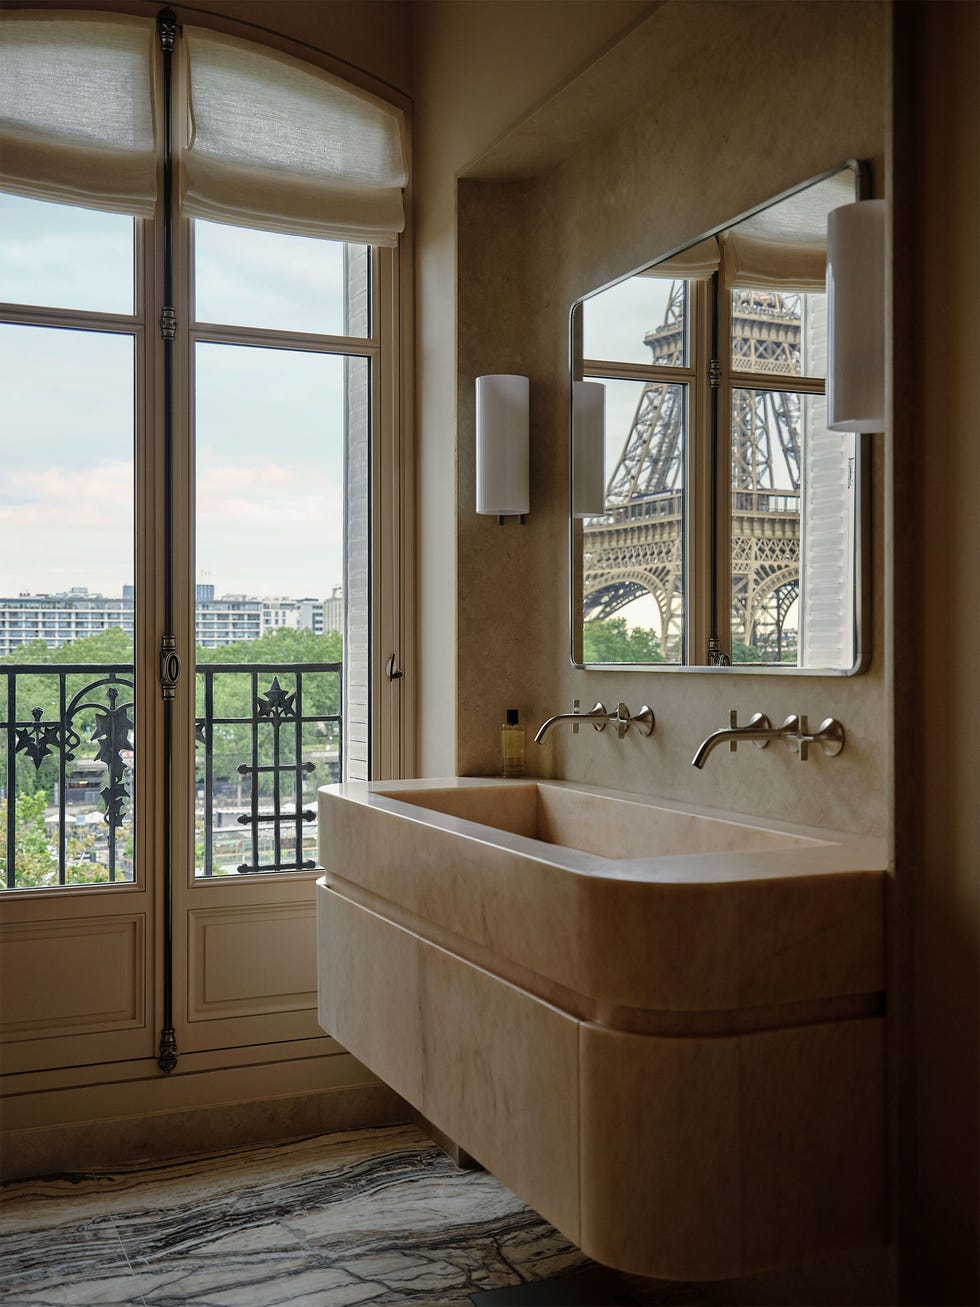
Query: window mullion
699	525
722	466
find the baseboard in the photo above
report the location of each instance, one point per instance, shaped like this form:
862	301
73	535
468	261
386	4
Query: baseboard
126	1140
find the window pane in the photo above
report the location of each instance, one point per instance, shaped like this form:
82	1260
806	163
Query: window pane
779	333
274	432
767	439
67	599
248	278
64	257
640	320
633	555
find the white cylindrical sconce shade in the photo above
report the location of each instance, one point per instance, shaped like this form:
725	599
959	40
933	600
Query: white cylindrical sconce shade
588	448
856	317
502	408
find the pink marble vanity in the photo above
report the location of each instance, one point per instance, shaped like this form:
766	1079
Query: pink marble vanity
661	1026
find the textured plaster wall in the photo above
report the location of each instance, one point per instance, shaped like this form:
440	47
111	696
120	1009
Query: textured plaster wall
480	68
746	101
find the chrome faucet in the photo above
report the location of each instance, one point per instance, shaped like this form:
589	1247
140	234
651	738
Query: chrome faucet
600	718
759	730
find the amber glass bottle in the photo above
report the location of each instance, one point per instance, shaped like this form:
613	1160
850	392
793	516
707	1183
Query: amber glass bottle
512	745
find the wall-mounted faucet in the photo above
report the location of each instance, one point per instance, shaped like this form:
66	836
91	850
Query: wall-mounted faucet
600	717
759	730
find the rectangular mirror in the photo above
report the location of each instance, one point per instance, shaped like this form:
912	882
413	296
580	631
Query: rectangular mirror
715	521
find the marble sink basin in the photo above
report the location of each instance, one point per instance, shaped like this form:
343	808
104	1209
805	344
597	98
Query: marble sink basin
610	900
607	825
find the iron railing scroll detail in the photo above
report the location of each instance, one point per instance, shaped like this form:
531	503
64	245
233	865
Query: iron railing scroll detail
57	741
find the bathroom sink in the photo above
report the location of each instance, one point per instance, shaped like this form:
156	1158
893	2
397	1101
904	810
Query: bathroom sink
608	825
613	899
661	1026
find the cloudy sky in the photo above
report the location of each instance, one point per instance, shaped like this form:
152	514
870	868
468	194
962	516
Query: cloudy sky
269	422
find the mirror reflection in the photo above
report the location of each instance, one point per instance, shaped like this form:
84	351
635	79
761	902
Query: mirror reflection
725	530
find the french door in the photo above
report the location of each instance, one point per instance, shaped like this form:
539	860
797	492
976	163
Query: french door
201	547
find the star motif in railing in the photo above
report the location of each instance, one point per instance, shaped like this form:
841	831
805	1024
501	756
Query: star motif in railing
276	703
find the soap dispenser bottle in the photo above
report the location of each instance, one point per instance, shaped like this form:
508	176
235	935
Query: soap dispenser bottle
512	746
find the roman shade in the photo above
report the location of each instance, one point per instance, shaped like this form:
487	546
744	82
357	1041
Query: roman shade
78	109
695	263
753	263
278	144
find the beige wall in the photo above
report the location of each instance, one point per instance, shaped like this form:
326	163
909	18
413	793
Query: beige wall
480	67
712	139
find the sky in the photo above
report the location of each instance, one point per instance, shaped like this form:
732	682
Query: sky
269	427
269	422
614	324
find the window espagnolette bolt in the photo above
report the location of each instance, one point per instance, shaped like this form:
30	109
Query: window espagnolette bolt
714	374
169	667
167	28
168	322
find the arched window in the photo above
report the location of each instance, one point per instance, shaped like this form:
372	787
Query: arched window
199	271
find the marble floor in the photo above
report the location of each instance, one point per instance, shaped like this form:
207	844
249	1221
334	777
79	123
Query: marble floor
376	1216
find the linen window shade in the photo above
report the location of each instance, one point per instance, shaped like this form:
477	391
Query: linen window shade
696	263
78	109
753	263
277	144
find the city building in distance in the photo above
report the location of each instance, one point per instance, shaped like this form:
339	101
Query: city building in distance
69	615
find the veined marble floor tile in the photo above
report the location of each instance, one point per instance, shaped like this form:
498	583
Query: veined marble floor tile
369	1216
59	1245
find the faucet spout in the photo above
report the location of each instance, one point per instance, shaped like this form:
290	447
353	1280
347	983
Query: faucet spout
758	730
708	745
598	716
794	731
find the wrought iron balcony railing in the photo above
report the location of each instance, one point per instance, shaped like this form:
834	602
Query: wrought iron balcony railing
68	730
261	765
267	734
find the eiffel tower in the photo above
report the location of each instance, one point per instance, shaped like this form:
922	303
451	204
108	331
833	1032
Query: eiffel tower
636	547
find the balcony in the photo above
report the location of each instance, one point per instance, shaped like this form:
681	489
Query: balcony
267	735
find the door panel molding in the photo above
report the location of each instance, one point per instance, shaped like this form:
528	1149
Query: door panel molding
42	965
251	960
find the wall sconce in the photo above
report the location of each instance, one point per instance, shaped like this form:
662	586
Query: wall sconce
588	448
502	407
856	317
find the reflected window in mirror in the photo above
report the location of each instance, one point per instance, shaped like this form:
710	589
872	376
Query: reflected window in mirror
732	517
638	343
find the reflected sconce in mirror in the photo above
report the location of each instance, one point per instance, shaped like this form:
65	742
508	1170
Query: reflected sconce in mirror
588	448
856	317
502	424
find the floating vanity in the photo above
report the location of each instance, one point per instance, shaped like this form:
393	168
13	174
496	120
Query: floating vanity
660	1026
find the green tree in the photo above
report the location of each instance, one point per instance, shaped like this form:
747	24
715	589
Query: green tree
609	641
38	697
231	740
36	853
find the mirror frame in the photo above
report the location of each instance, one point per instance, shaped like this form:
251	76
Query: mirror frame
863	569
